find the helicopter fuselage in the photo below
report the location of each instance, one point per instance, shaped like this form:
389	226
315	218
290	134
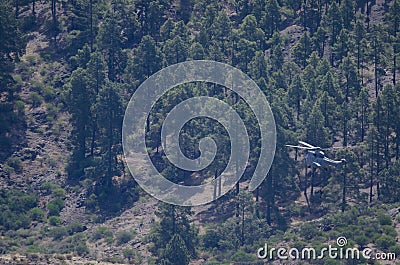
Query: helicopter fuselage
317	159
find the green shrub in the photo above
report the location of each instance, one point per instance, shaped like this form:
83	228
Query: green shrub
13	221
124	237
48	186
385	219
48	93
331	262
37	86
58	233
389	230
79	244
128	253
395	249
36	214
361	240
75	227
210	239
55	206
242	257
54	220
19	106
15	163
102	232
385	241
22	202
59	193
309	231
31	59
35	99
15	206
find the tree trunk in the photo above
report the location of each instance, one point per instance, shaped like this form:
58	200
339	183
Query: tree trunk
92	144
376	68
305	190
312	182
363	119
387	135
54	16
368	14
16	9
344	192
378	162
394	63
269	195
33	8
242	236
91	24
371	182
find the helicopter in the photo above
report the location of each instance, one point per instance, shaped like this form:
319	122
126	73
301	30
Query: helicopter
315	157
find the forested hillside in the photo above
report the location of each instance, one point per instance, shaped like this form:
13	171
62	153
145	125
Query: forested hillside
329	69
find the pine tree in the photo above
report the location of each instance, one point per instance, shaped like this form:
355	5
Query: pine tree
109	108
396	117
329	84
389	101
110	43
276	54
391	183
11	48
258	66
290	70
327	105
173	221
341	47
244	53
184	10
81	21
221	33
54	18
332	21
166	30
393	19
146	61
316	132
242	8
296	94
176	252
197	51
378	52
347	12
96	79
360	42
319	40
11	45
272	17
81	98
151	16
302	50
351	84
345	117
363	104
175	50
312	13
250	30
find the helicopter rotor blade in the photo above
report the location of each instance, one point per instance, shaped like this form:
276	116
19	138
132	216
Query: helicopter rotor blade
308	145
339	148
299	147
